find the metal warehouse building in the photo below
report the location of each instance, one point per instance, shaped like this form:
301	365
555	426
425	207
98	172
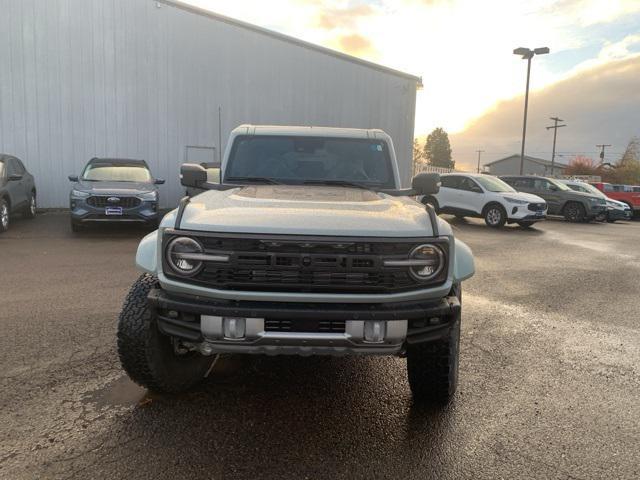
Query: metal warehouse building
166	82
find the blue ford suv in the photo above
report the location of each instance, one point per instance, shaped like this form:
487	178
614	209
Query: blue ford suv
114	190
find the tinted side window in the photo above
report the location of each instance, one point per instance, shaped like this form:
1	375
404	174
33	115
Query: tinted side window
19	167
469	185
450	182
519	182
542	184
11	166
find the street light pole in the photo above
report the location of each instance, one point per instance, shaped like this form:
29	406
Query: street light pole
527	54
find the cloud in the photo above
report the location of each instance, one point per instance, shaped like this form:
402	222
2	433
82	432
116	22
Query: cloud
357	45
461	48
600	105
592	12
343	18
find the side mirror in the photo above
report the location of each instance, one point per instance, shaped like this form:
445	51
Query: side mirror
158	181
553	188
426	183
14	177
192	175
73	178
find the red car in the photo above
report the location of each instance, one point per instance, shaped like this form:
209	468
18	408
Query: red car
622	193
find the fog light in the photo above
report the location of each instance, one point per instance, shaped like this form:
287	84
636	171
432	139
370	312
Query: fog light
374	331
234	328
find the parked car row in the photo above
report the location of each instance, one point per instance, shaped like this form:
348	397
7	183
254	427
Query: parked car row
109	189
615	210
524	199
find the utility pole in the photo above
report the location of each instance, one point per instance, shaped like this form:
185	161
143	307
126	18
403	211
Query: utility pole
479	152
602	147
555	127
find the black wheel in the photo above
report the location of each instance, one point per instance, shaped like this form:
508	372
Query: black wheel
30	209
4	215
495	216
431	201
432	368
525	224
574	212
150	358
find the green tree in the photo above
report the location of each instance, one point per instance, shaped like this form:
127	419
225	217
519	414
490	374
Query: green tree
418	155
437	150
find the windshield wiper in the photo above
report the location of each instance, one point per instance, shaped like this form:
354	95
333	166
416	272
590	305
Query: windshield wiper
341	183
270	181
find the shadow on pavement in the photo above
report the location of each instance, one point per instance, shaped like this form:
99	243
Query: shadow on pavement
292	417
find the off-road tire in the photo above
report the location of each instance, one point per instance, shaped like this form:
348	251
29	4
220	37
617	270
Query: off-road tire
148	356
432	368
5	217
525	224
494	215
30	210
574	212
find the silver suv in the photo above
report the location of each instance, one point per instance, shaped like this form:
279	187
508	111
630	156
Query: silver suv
307	247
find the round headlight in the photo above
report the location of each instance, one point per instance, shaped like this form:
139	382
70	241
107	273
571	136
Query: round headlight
428	262
183	256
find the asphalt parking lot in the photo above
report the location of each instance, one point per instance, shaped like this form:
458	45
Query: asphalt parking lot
549	387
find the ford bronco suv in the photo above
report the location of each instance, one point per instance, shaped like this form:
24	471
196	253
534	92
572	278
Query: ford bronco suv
308	246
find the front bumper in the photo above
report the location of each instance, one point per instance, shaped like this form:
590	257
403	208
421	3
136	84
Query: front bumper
597	211
81	212
523	213
199	322
617	214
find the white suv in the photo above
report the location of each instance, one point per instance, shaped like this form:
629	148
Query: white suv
488	197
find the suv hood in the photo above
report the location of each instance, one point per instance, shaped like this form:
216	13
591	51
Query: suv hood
115	188
306	210
525	197
583	195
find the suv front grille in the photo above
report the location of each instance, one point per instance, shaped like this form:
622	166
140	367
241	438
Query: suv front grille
103	201
537	206
306	264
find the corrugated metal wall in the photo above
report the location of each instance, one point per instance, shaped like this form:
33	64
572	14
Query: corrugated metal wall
143	79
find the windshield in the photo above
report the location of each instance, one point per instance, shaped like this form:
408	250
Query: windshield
296	160
560	185
586	188
116	172
493	184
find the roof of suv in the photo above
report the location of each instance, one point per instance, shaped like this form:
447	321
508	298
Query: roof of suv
119	161
309	131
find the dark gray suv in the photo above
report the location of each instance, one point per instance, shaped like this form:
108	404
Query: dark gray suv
561	200
17	190
114	190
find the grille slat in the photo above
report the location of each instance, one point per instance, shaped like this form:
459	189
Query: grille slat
307	265
103	201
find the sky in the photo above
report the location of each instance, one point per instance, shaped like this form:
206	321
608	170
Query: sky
462	49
